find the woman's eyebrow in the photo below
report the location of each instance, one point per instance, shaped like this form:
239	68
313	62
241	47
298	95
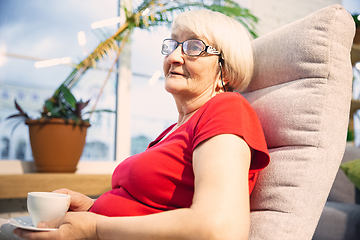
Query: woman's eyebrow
193	36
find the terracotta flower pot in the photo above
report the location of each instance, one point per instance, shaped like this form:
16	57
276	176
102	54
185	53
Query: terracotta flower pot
56	146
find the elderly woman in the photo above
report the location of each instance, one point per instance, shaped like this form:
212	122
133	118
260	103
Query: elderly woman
194	180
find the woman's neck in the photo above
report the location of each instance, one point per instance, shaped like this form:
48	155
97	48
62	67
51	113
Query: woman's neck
186	111
188	107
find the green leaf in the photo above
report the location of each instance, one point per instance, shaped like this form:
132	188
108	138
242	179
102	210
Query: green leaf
68	96
352	171
49	105
100	111
55	112
143	14
70	77
356	20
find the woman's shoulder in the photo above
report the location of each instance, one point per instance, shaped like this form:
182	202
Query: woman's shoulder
234	114
228	100
228	108
231	113
229	97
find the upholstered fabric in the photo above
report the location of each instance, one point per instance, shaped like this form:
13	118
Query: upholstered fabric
340	218
301	91
339	221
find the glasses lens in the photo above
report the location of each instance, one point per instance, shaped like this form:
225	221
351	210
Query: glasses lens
168	46
193	47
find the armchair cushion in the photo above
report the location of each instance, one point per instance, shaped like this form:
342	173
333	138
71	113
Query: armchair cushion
301	90
339	221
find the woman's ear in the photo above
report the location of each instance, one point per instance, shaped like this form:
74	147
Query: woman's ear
221	84
222	81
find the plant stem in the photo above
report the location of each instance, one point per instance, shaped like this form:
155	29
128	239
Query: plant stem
110	71
121	29
86	64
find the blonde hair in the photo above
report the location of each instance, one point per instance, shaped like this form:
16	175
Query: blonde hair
226	35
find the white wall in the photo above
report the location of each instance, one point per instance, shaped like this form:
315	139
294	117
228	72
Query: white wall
273	14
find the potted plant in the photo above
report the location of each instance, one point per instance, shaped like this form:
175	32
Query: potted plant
63	111
58	137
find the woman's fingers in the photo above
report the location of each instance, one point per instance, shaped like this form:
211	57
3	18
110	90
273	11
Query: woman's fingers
31	235
50	224
71	226
64	191
79	202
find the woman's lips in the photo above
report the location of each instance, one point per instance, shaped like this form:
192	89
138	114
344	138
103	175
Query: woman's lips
175	73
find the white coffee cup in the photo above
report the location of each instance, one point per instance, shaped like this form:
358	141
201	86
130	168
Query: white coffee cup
47	206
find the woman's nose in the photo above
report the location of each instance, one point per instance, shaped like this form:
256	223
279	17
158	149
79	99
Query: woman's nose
177	55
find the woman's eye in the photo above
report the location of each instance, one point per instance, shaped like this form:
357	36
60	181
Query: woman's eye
194	47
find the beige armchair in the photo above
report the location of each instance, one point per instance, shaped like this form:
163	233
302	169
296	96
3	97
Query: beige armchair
301	91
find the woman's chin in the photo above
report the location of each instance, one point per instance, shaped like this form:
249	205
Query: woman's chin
173	86
170	89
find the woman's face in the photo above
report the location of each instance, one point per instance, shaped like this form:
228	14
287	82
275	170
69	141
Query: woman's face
188	77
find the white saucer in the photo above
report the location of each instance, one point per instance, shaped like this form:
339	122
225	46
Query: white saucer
26	223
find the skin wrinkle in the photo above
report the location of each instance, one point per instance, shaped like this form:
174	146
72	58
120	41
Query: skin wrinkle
220	207
178	60
201	84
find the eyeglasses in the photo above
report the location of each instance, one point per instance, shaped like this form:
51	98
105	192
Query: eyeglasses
191	47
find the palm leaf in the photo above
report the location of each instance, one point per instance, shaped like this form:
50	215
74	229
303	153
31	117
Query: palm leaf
146	14
151	13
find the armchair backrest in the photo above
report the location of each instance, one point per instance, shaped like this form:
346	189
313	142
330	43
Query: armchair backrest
301	90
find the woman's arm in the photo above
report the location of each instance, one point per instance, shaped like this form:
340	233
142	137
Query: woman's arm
220	208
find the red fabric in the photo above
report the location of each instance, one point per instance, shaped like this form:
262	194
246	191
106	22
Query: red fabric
161	178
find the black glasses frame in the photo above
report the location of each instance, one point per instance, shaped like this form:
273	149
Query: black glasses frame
207	48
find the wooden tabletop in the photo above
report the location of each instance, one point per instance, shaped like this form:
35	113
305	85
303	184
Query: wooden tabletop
18	185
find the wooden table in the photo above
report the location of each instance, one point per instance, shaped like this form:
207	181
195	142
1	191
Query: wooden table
18	185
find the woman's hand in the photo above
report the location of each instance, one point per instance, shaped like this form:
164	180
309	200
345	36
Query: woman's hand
74	225
79	202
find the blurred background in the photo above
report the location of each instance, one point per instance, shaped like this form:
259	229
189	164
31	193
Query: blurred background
32	32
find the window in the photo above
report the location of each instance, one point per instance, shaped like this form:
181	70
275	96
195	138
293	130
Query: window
5	147
39	30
